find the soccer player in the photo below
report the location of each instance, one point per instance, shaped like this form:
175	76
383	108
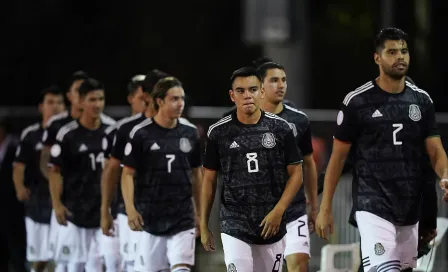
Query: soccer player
389	123
164	155
79	156
260	164
111	173
31	186
297	250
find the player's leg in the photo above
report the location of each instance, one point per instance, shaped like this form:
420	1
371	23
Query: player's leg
110	250
38	246
94	241
407	243
237	254
297	249
268	258
124	237
53	239
151	253
180	250
379	247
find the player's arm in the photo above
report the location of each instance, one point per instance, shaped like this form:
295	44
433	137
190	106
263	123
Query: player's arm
109	183
309	169
55	181
131	162
196	164
23	153
209	181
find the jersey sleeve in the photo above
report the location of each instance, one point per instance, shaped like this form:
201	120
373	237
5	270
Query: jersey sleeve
347	124
431	128
119	143
24	151
292	153
211	158
195	155
49	135
305	143
57	153
133	151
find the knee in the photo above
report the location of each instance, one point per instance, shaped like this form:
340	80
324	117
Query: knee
181	268
297	262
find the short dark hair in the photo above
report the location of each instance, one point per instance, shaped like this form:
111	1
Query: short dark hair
90	85
246	71
152	78
135	83
78	75
262	60
389	34
162	87
53	89
263	69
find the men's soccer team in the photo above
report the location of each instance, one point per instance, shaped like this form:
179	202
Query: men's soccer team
134	195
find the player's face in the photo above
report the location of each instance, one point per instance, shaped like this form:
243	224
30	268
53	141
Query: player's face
275	85
394	59
52	104
137	101
92	103
246	93
73	93
174	102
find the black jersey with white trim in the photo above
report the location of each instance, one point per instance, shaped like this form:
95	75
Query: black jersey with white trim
300	125
163	160
80	153
38	206
388	133
253	161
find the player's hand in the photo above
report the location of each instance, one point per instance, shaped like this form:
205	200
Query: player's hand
271	223
23	193
444	186
324	224
312	217
61	214
107	224
427	235
135	220
207	240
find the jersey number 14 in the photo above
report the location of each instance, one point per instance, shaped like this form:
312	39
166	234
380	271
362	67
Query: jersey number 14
98	159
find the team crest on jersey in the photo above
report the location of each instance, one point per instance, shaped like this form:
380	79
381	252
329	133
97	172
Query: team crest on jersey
184	145
104	143
55	150
268	140
128	149
414	113
231	268
294	128
66	250
379	249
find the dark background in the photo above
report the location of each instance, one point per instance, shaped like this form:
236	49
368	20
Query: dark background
201	43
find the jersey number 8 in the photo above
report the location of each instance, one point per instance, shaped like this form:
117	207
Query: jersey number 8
252	162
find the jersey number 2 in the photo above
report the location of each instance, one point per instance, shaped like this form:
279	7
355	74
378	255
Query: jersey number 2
98	159
252	162
394	134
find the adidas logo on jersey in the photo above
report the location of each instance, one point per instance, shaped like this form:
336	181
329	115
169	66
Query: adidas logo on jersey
155	146
82	148
377	113
234	145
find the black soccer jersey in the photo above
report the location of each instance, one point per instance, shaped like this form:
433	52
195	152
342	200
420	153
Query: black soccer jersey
120	137
387	132
80	154
302	131
57	121
163	159
253	161
38	207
